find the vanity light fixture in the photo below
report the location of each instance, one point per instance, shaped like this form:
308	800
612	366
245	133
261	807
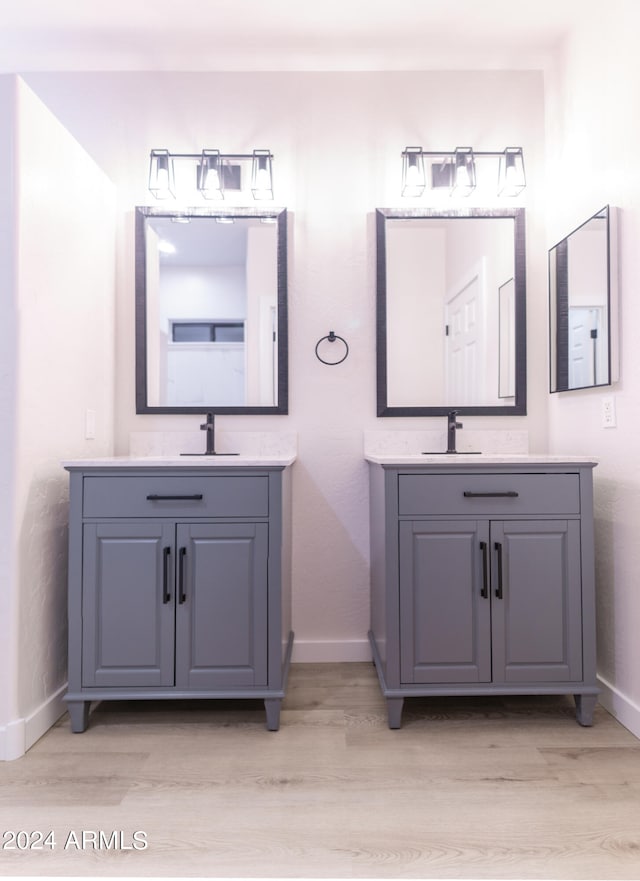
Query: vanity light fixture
464	176
456	170
511	179
210	175
215	172
161	178
261	175
413	179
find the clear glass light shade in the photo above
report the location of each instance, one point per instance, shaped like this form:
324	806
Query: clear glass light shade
413	177
161	178
511	177
464	175
210	176
262	175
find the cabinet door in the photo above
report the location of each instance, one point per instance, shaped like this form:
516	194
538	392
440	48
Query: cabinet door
445	610
127	604
221	612
537	622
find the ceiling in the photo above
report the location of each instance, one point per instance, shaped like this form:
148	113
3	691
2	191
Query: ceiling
67	35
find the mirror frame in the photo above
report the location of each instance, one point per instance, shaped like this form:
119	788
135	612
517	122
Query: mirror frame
556	321
519	408
280	217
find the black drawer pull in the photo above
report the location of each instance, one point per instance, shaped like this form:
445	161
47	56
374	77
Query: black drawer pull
510	494
196	497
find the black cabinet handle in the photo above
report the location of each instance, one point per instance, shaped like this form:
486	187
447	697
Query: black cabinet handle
498	547
166	596
196	497
510	494
485	570
181	592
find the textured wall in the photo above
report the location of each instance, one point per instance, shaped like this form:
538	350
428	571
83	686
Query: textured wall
592	161
8	325
64	364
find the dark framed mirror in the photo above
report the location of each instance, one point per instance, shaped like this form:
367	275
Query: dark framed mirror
582	306
451	312
211	311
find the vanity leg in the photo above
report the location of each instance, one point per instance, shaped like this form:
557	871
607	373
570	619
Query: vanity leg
79	715
585	706
272	708
394	711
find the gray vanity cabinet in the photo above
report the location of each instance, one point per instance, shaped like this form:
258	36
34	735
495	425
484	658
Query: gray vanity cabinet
178	586
175	605
490	601
482	582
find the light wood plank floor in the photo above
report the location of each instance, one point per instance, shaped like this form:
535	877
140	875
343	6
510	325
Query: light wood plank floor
467	788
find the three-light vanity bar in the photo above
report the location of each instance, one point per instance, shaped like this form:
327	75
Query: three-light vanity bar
215	172
456	170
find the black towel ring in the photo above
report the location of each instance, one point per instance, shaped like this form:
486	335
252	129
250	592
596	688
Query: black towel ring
332	337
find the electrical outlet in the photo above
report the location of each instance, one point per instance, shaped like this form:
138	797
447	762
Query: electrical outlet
609	412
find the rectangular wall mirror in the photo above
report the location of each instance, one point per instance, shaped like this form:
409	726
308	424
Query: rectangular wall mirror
582	306
211	311
451	312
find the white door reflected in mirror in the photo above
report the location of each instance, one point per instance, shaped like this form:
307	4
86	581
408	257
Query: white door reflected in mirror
450	342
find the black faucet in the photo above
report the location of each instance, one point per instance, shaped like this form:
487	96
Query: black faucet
208	426
452	424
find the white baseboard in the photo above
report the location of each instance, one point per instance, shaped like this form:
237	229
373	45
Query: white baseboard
311	651
621	707
18	736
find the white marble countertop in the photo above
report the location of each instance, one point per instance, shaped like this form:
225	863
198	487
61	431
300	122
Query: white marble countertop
481	459
196	461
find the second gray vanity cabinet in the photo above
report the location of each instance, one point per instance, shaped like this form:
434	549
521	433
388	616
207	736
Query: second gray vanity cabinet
490	601
482	580
179	584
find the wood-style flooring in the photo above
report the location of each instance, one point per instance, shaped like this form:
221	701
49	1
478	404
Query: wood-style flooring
467	788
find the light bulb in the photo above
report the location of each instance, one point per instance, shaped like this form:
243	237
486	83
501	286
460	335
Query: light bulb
462	176
413	175
211	179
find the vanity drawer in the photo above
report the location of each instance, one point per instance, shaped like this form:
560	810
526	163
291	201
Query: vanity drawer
179	496
487	494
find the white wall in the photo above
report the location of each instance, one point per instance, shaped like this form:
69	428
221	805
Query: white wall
593	133
9	595
337	140
59	311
